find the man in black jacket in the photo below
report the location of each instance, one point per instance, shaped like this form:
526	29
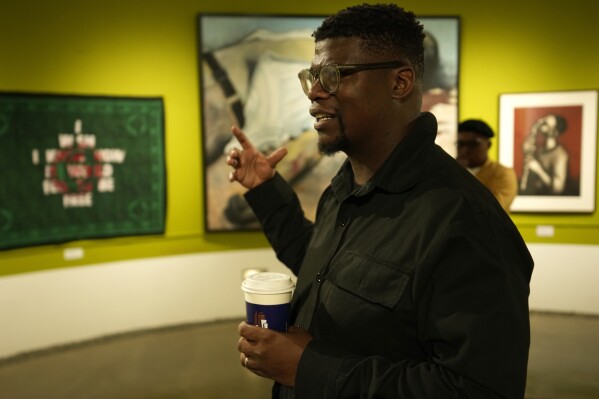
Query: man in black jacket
412	281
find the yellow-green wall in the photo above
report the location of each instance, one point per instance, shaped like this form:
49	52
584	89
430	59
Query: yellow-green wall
149	48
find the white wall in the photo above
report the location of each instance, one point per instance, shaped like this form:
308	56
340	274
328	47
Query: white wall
565	278
44	309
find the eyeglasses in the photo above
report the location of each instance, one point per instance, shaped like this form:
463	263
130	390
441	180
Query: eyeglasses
471	144
330	75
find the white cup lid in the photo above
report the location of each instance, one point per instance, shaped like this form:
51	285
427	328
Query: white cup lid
267	283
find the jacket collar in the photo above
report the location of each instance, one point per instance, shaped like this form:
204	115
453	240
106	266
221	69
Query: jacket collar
402	169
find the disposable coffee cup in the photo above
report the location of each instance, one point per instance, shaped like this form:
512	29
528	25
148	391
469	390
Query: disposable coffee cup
267	297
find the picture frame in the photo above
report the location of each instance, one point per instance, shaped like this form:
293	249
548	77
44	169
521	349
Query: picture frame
80	167
550	139
248	67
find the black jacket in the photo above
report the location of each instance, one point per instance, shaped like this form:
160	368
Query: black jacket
414	285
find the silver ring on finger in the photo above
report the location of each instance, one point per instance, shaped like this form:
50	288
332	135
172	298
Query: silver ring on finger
245	363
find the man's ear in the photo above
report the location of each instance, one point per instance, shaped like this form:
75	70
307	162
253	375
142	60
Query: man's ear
404	83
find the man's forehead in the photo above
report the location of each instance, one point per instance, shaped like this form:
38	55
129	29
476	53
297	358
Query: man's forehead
336	50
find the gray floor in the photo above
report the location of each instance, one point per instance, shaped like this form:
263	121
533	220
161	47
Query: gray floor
201	361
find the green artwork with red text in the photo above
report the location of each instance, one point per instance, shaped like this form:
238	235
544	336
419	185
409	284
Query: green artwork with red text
80	167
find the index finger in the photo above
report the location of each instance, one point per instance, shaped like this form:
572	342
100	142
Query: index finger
242	138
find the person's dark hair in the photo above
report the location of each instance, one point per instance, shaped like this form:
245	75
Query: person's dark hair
384	29
561	124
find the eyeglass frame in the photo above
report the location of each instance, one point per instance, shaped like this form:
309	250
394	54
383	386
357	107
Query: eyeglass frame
471	144
314	73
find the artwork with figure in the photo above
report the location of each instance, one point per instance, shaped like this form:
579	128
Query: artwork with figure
547	151
550	141
249	77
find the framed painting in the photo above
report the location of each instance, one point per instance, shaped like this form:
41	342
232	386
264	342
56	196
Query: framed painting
248	67
550	139
80	167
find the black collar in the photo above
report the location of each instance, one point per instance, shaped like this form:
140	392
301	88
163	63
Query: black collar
401	170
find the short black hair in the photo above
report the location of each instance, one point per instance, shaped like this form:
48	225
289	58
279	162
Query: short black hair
384	29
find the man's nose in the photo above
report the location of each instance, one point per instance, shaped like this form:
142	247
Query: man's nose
317	91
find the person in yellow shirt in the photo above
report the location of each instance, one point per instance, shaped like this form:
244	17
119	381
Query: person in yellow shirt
473	145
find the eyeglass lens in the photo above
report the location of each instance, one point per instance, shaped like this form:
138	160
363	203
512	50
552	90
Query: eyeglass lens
306	79
327	75
329	78
468	143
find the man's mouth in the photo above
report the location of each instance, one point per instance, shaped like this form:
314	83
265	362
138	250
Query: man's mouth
322	117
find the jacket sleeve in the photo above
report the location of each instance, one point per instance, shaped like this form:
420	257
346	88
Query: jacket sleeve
471	290
279	211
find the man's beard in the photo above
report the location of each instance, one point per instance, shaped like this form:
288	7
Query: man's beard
340	144
331	149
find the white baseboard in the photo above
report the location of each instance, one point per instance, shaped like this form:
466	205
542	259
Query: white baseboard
57	307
